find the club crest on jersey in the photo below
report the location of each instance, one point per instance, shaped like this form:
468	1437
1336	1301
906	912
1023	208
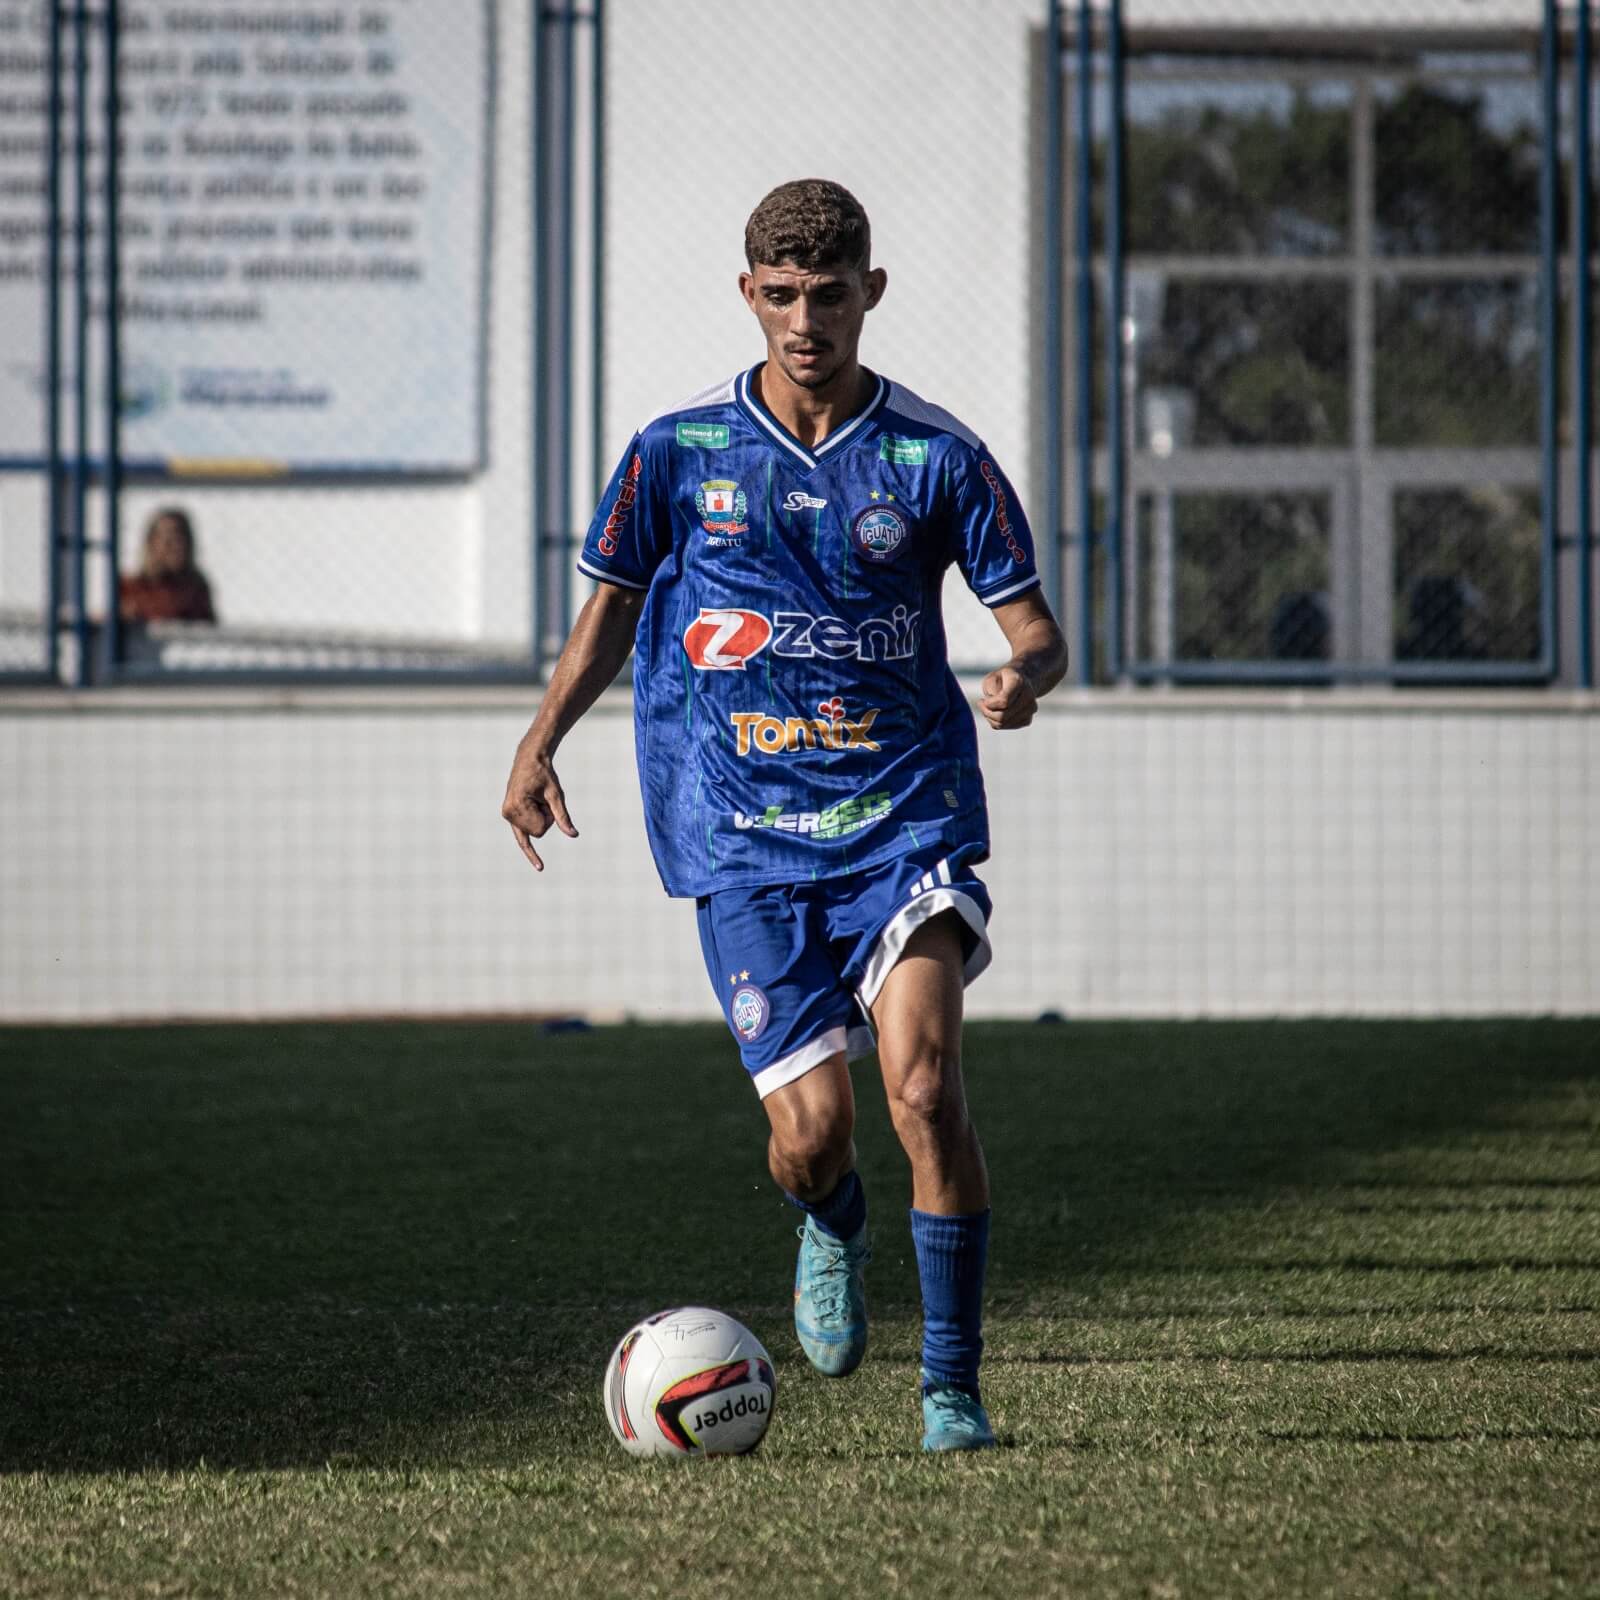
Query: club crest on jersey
879	534
722	507
751	1011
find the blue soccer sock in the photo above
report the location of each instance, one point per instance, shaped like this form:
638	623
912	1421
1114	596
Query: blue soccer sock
843	1214
952	1253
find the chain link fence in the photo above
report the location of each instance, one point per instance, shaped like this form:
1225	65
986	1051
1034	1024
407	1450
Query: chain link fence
355	269
325	304
1330	369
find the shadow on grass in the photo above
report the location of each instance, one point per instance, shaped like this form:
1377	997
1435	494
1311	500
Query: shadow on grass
279	1246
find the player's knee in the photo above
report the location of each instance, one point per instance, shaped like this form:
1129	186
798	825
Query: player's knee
812	1149
929	1094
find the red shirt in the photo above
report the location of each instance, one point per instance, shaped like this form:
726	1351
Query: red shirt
182	597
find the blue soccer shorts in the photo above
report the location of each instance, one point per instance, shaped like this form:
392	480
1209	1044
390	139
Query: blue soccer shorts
796	967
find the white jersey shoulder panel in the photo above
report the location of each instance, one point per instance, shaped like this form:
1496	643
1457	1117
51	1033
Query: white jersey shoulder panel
915	409
719	394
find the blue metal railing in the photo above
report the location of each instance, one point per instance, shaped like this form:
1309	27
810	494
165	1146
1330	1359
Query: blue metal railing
1053	255
1116	445
1084	89
1549	340
113	336
1583	400
52	360
1103	616
80	349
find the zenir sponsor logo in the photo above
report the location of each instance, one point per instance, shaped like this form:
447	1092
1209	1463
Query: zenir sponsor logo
891	638
723	640
831	729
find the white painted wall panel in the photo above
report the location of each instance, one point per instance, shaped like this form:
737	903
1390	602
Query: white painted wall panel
1166	856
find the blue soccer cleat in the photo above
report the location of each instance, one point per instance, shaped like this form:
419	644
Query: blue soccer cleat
830	1300
952	1419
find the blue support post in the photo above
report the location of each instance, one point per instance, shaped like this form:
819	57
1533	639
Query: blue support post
597	241
80	376
538	556
1085	347
1549	352
52	357
564	330
1116	446
1053	171
113	346
1583	421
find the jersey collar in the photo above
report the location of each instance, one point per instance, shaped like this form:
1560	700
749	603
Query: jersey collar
751	405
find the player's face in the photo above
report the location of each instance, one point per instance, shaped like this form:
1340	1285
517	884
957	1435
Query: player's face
169	549
812	319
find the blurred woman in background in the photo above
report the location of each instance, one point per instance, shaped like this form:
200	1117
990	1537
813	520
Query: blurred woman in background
168	587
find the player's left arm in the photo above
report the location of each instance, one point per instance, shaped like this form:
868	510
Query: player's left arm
1011	694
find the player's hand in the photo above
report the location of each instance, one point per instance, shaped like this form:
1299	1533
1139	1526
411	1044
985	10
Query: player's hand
1008	699
534	802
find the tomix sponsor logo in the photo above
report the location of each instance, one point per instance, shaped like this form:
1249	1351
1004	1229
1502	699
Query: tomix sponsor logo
831	729
618	520
799	500
1002	512
722	641
849	816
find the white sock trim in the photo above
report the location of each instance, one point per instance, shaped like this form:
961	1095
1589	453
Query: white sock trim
892	941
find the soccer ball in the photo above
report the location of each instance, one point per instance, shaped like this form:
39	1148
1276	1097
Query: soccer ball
689	1382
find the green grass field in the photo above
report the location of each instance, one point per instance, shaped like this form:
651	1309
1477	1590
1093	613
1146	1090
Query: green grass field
1277	1309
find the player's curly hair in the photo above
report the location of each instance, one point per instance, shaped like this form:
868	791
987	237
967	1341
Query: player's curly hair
812	222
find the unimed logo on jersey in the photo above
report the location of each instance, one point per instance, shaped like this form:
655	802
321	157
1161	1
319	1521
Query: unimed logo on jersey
722	641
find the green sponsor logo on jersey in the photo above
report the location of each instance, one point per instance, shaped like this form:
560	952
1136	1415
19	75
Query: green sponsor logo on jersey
849	816
904	452
703	435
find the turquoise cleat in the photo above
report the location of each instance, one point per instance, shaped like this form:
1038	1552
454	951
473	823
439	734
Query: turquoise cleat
830	1301
953	1419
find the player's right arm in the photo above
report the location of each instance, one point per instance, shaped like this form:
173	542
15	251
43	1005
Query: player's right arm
593	655
625	544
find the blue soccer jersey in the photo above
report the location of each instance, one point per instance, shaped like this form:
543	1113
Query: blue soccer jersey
795	713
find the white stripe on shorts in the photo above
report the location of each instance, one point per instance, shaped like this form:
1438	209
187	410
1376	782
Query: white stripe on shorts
856	1041
892	941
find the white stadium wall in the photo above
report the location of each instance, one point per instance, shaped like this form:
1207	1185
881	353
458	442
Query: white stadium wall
342	854
250	852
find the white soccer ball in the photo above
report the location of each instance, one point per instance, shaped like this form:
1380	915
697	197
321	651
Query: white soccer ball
689	1382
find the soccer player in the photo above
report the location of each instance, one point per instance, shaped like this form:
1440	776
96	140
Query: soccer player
773	550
